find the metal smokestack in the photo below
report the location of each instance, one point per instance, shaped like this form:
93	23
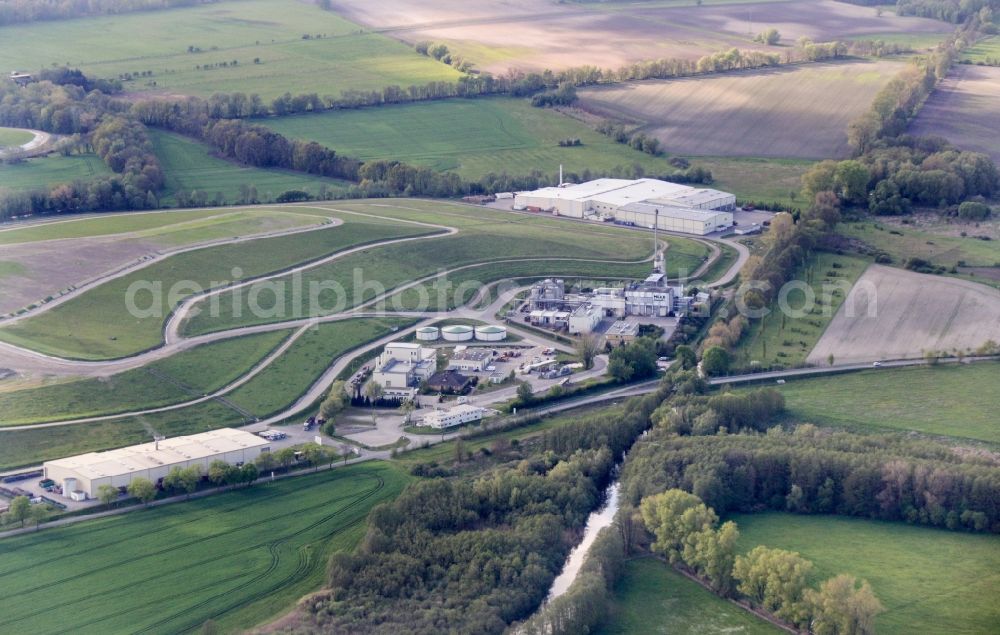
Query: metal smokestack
560	175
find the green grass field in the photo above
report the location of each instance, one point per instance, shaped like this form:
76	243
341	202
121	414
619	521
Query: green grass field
947	400
189	166
97	324
238	558
937	248
43	173
653	598
472	137
930	580
182	377
14	137
484	236
758	179
345	57
985	49
776	339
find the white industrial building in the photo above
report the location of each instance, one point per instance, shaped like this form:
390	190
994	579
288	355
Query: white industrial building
639	202
402	366
470	360
87	472
585	319
456	416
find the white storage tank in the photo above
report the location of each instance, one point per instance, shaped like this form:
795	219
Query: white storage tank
457	333
491	333
428	333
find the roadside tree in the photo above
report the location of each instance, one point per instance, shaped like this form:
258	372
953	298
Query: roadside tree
143	489
107	494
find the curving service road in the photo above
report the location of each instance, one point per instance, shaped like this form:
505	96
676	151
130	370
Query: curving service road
23	359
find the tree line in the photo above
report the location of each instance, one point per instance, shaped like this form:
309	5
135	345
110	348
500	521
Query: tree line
688	535
478	552
19	11
812	471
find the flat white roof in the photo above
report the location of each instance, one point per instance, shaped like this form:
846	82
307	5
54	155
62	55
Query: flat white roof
672	211
695	196
169	452
621	192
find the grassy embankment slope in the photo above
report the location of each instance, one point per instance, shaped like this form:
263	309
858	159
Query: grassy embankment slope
484	236
96	324
337	55
158	224
274	388
182	377
930	580
255	551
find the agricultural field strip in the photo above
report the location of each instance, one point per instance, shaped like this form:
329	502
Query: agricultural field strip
119	272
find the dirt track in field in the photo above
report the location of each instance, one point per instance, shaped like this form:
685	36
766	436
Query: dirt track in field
913	313
965	109
799	111
532	35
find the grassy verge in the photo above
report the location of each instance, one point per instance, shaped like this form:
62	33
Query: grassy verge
653	598
787	339
930	580
948	400
186	375
251	566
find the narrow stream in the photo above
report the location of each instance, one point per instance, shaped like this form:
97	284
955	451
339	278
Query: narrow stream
598	520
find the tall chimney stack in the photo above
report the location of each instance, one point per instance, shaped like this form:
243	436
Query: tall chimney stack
560	175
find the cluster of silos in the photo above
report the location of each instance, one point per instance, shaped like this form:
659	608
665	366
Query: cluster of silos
462	333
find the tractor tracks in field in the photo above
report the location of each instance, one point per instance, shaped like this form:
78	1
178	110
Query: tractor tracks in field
271	545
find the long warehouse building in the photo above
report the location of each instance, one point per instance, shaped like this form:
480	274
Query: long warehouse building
87	472
679	208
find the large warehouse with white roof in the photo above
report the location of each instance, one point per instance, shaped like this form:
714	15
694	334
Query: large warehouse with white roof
680	208
86	472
